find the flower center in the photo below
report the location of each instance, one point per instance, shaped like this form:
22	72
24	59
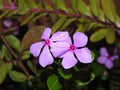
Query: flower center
109	57
47	42
72	47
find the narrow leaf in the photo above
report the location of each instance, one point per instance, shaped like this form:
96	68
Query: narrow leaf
74	3
23	8
37	17
110	36
53	83
67	23
60	4
99	35
82	7
17	76
58	24
1	4
95	7
26	20
4	13
109	9
31	4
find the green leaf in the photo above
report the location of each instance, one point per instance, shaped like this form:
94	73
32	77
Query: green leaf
26	20
14	42
60	4
95	7
4	13
99	35
82	7
67	23
5	53
32	36
85	83
48	6
2	73
53	83
58	24
118	21
97	69
26	55
110	36
31	4
101	15
109	9
17	76
8	67
32	67
93	55
62	74
1	55
37	17
1	4
74	3
23	8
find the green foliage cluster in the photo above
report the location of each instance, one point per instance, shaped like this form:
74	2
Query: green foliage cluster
98	19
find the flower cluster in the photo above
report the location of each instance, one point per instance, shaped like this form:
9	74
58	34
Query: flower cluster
106	59
60	45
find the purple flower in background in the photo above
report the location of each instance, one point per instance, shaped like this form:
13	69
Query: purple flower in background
46	57
68	51
12	6
9	23
106	59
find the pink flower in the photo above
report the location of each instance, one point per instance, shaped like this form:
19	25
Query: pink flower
71	53
45	56
12	6
106	59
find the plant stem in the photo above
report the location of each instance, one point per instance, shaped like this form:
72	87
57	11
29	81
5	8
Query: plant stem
75	15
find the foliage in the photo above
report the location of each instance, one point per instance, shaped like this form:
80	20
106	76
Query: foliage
98	19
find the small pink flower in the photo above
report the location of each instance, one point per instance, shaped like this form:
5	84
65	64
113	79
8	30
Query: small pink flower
45	56
68	51
106	59
12	6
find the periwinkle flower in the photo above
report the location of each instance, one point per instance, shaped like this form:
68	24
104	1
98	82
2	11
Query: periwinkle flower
106	59
45	56
71	53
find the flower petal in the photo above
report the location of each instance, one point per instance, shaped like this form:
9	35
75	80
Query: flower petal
59	48
102	60
109	64
103	51
60	44
46	34
36	48
84	55
59	36
80	39
69	60
57	52
114	57
7	23
45	57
